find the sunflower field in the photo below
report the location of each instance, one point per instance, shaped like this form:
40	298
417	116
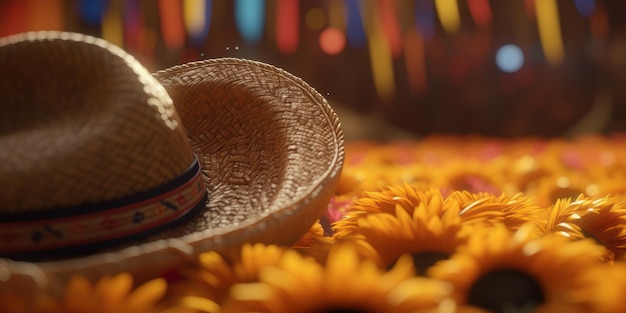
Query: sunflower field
444	224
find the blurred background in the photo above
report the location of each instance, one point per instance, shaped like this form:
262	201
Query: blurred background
391	68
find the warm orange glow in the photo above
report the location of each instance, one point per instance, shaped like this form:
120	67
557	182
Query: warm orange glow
549	30
11	21
332	41
415	61
287	25
387	12
30	15
44	15
172	27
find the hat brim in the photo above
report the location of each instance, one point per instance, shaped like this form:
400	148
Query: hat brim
271	152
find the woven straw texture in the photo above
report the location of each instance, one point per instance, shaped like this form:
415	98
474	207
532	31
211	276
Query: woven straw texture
270	148
80	126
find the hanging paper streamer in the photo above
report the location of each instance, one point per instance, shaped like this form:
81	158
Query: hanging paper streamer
18	16
585	7
354	28
250	18
44	15
380	54
197	18
91	11
332	40
549	30
336	15
600	23
530	8
389	22
448	12
11	17
287	25
415	61
172	28
112	28
315	18
133	24
425	18
480	11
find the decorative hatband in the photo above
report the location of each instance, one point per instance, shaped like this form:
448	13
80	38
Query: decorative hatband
90	228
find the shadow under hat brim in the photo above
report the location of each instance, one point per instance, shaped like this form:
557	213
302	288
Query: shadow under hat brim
271	152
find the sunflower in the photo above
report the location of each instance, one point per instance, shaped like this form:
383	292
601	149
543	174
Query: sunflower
110	294
15	300
207	283
525	172
346	283
501	270
428	233
609	182
563	184
378	176
602	219
385	201
350	181
315	233
513	211
372	166
470	175
607	295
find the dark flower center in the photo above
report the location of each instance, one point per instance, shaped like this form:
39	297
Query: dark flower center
591	236
506	290
424	260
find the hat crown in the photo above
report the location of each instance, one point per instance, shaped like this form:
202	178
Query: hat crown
264	155
81	122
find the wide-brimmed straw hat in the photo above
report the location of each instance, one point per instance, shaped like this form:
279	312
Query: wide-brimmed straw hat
106	168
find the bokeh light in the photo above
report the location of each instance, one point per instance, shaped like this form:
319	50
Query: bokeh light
480	11
411	60
549	28
354	29
250	19
332	41
287	21
509	58
196	16
585	7
424	18
448	12
315	18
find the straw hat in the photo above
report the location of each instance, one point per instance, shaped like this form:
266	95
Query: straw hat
106	168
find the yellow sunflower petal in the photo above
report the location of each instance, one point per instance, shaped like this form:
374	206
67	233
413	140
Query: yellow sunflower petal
79	295
146	295
111	291
549	265
196	304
